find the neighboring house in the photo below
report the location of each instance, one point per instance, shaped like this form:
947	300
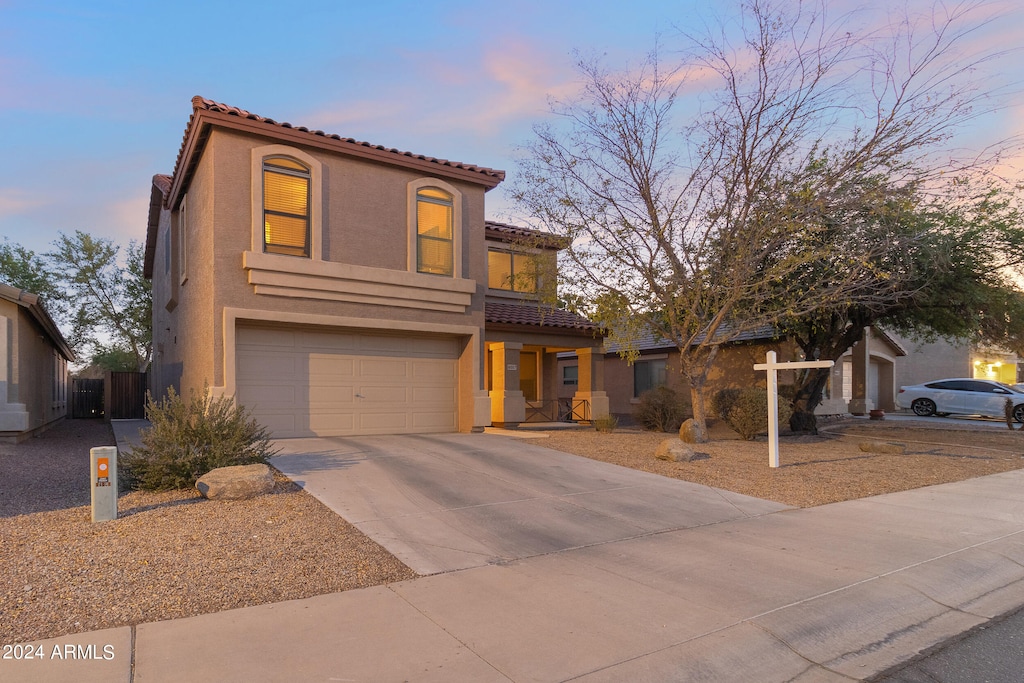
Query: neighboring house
658	365
336	287
34	373
864	378
940	359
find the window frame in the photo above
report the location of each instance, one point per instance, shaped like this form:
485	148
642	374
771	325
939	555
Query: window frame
413	191
513	277
259	156
646	362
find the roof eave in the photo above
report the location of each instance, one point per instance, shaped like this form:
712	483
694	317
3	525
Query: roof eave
204	119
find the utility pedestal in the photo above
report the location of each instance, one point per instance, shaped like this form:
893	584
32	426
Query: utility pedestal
103	478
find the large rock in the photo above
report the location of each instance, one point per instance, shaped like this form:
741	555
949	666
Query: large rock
236	483
883	447
691	432
674	450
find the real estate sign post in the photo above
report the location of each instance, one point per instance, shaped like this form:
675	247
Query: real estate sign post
773	367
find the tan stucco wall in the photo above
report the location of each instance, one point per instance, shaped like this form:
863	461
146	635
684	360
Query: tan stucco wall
733	368
32	368
365	222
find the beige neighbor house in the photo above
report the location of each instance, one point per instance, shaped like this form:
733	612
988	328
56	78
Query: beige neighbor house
336	287
658	365
864	378
34	373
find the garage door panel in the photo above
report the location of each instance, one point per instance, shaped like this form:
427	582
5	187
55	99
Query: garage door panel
384	422
322	365
378	367
384	394
433	369
280	338
304	382
259	365
339	424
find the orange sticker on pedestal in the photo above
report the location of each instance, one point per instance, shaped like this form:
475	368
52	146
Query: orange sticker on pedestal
103	471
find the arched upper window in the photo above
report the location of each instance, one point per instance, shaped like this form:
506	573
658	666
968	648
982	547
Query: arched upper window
435	238
286	207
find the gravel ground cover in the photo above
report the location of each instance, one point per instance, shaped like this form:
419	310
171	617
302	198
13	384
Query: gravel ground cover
815	470
175	554
168	555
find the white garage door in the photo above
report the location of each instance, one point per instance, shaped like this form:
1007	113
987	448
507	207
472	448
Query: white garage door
326	382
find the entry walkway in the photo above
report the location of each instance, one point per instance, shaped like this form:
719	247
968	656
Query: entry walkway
547	567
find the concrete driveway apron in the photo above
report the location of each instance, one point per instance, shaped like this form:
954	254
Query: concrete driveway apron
454	501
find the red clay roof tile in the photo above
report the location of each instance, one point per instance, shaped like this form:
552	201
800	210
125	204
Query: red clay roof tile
535	314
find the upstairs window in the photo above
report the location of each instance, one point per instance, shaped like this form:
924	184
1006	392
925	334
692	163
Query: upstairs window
511	272
286	207
435	242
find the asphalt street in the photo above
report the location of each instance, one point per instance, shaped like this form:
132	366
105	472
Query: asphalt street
992	653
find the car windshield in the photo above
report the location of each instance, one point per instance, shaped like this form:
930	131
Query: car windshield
1009	388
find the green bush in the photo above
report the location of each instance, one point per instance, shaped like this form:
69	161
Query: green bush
661	410
748	415
188	439
723	400
607	424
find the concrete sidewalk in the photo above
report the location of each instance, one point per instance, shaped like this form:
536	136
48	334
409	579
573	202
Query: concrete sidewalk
675	583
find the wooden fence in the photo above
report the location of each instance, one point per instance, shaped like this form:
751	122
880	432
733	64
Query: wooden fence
86	398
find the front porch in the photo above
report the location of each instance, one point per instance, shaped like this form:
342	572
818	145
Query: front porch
521	375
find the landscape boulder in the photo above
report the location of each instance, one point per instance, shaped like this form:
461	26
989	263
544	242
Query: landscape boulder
691	432
674	450
883	447
239	482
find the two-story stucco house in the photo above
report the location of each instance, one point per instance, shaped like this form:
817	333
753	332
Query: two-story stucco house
336	287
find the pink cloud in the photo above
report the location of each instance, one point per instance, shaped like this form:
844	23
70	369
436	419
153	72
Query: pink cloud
14	201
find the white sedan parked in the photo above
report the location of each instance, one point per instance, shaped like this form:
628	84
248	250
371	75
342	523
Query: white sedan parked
961	396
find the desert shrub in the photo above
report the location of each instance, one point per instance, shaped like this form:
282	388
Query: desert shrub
723	400
607	424
748	415
661	410
187	439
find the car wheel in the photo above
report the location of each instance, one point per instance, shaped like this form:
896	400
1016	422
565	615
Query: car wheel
923	407
1018	413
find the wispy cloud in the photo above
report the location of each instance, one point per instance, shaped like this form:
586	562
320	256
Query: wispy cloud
15	201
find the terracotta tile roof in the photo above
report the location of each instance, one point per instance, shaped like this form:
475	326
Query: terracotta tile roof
535	315
528	236
201	104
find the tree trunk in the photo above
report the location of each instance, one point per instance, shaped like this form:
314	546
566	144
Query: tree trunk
806	399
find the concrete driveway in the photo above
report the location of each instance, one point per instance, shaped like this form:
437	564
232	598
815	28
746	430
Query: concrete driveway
454	501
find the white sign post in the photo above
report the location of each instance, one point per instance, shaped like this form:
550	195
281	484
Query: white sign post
773	367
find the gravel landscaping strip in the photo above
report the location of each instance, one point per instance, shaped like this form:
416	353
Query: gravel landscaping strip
168	555
815	470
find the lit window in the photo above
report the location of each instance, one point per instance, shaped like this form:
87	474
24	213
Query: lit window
286	186
511	272
647	375
434	241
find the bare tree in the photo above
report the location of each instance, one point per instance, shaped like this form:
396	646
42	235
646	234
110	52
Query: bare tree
702	232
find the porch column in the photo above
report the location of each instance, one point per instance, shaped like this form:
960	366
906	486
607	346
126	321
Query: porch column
860	404
590	387
508	406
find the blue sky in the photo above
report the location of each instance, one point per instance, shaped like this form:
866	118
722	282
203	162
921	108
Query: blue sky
95	96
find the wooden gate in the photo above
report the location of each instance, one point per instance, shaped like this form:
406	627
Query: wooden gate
86	398
125	396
